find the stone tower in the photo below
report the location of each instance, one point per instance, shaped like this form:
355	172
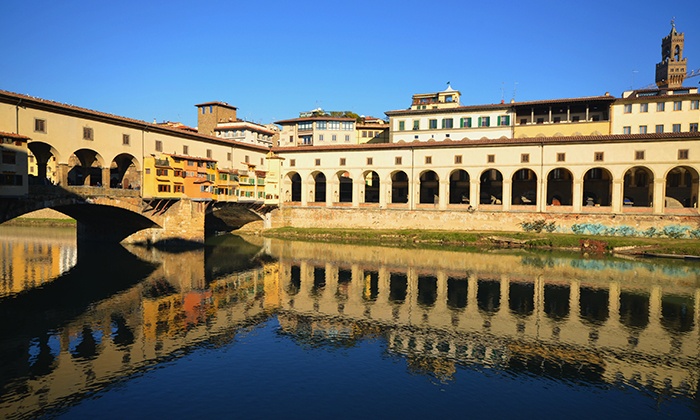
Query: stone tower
209	114
670	72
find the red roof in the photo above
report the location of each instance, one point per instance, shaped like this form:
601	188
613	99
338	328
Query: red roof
13	136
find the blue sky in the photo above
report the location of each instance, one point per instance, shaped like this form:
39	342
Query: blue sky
274	59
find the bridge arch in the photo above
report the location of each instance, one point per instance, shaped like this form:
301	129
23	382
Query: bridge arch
45	159
124	172
85	168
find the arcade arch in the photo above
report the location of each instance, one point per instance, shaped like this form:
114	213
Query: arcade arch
597	187
85	168
491	187
459	187
524	187
681	187
372	188
638	190
560	187
429	187
399	187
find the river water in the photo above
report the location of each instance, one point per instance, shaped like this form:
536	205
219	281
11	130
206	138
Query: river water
258	328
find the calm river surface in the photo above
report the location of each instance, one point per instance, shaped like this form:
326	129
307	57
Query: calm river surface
252	327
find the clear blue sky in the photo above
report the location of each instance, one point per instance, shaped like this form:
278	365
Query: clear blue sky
273	59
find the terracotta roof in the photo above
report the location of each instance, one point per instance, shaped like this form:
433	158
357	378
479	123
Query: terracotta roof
320	118
604	98
456	109
185	157
13	136
26	100
503	141
219	103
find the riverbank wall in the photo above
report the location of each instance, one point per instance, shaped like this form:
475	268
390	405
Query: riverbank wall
449	220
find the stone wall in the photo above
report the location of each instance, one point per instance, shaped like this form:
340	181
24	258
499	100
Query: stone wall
343	218
182	222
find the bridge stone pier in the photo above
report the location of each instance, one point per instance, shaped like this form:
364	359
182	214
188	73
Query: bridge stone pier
115	215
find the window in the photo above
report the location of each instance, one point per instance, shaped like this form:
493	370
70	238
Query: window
347	137
484	121
161	172
643	107
185	149
465	122
693	127
292	162
397	160
305	126
88	133
247	159
39	125
555	120
334	137
490	158
676	128
677	105
432	124
163	188
320	137
416	124
447	123
364	133
209	153
683	154
159	146
627	130
598	156
523	121
525	158
695	104
639	155
179	188
342	162
291	139
458	159
348	126
402	125
148	171
320	125
428	160
504	120
660	107
659	128
334	125
318	162
126	139
9	157
561	157
575	118
228	156
642	129
370	161
628	108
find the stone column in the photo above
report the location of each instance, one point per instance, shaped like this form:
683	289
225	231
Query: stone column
577	196
474	191
358	192
541	193
413	194
384	194
659	195
444	188
105	178
507	194
617	191
62	170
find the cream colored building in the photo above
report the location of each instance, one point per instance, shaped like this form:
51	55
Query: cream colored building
13	164
316	129
246	132
440	116
657	111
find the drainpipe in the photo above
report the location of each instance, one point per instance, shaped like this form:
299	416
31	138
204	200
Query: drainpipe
411	197
17	115
542	205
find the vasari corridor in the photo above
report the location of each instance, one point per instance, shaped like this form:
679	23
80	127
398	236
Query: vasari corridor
300	258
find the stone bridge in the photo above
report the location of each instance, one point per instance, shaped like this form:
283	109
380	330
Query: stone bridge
120	215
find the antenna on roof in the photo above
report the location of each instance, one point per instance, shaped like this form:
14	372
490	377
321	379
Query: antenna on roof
515	88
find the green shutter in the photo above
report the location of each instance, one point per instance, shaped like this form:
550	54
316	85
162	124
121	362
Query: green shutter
508	120
479	122
499	120
461	123
469	122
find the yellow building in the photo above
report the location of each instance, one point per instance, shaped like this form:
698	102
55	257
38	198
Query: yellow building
13	165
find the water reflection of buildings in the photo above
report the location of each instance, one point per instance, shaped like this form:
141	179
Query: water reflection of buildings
630	323
28	262
592	321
